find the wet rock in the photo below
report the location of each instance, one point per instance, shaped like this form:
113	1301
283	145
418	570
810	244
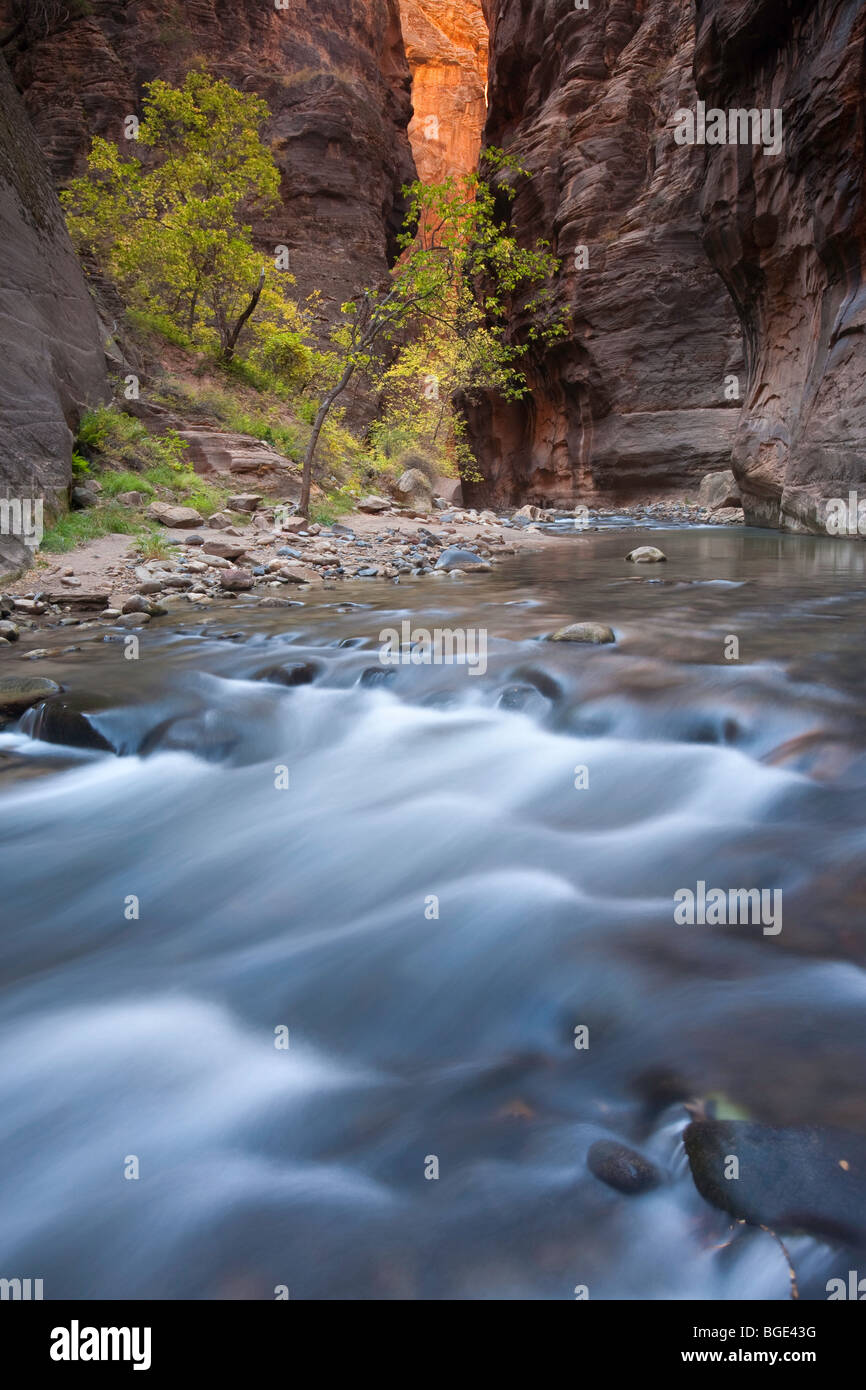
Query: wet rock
376	676
529	513
646	555
29	605
57	722
209	734
168	515
132	620
11	631
790	1179
272	602
595	633
543	682
20	692
455	558
291	673
622	1168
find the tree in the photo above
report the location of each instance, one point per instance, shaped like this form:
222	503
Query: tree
172	228
443	311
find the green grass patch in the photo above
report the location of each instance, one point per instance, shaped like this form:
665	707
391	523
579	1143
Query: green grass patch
76	528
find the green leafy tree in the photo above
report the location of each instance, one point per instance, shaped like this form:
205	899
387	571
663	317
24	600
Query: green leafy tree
172	228
442	315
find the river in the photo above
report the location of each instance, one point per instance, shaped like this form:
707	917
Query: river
424	880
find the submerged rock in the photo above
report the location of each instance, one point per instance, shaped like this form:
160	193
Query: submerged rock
20	692
292	673
790	1179
210	734
596	633
622	1168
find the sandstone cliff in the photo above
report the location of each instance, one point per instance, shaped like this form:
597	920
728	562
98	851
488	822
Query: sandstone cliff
446	45
333	72
634	401
788	235
50	348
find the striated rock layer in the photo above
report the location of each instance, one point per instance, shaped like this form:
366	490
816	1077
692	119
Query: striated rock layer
446	45
333	72
53	363
633	402
787	235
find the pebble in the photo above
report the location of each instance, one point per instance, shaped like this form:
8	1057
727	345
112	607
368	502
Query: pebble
622	1168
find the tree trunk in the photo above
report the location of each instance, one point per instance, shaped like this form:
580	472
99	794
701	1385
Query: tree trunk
231	339
321	416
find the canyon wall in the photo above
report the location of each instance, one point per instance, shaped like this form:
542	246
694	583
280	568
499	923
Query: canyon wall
787	234
637	400
334	75
446	45
53	363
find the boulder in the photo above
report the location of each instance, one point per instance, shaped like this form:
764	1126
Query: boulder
719	490
373	504
245	501
414	489
168	515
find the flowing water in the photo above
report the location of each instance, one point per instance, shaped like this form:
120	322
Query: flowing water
464	868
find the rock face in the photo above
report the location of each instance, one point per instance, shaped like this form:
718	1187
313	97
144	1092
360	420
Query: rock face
52	358
333	72
632	402
787	234
446	45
